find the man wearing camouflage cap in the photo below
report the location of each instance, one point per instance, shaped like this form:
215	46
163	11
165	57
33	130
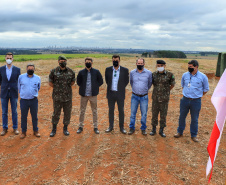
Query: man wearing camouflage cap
61	79
163	81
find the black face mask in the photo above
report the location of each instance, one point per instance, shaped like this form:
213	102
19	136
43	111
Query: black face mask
63	64
115	63
190	69
30	72
88	65
140	67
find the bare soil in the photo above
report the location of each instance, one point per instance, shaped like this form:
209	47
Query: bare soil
112	158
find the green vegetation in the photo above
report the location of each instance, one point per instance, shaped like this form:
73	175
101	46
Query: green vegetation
79	66
179	60
169	54
21	58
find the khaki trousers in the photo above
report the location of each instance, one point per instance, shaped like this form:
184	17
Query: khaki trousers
83	105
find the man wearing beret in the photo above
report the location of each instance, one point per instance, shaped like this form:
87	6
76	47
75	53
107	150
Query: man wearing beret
61	79
195	85
163	81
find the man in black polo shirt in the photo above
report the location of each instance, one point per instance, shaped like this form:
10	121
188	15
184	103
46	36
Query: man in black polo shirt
89	80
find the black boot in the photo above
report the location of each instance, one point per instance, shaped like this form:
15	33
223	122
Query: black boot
53	130
65	131
153	132
161	133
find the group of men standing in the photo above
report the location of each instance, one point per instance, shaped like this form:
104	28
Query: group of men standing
117	77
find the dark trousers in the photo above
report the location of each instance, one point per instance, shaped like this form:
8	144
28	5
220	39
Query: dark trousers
111	105
25	105
5	102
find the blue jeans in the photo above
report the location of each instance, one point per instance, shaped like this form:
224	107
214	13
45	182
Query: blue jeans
25	105
194	106
5	102
135	101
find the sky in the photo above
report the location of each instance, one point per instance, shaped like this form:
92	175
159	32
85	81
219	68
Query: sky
186	25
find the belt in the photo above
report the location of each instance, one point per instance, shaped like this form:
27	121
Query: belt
140	95
29	99
191	98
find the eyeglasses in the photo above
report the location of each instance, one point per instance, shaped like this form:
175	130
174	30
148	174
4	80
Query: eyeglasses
115	74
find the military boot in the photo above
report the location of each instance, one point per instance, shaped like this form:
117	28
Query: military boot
53	130
153	132
161	133
65	131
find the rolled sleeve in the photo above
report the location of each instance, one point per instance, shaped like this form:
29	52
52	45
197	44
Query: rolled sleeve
205	84
51	76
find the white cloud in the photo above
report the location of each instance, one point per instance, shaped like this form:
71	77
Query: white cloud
182	25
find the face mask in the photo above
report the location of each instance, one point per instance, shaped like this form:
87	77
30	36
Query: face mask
140	67
88	65
190	69
115	63
8	61
30	72
63	64
160	69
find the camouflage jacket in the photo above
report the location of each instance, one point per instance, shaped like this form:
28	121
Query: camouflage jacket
162	83
61	80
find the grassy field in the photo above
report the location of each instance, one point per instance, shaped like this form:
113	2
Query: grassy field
21	58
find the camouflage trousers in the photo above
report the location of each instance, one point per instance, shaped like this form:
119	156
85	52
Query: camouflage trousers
162	108
57	106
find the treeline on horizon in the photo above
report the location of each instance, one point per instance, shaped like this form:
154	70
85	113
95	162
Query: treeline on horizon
169	54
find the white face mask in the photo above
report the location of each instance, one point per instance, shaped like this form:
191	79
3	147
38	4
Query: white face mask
160	69
8	61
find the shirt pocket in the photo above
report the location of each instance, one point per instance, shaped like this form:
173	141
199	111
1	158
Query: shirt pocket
186	81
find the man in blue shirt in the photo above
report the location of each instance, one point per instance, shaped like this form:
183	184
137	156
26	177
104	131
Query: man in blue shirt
29	85
141	81
195	85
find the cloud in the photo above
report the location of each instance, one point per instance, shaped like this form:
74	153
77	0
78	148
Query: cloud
181	25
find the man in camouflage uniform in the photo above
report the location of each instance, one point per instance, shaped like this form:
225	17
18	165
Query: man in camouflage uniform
163	82
61	79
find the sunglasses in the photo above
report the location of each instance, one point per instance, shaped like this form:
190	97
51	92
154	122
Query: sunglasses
115	74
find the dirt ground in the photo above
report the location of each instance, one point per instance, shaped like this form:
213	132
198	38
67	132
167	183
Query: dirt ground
112	158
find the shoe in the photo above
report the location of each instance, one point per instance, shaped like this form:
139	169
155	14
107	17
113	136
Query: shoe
109	129
53	133
4	132
36	133
23	135
80	129
122	130
131	131
178	135
161	133
153	132
96	130
144	132
16	132
195	139
65	131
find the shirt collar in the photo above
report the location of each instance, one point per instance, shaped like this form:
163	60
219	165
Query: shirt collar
114	68
10	67
144	70
163	72
30	77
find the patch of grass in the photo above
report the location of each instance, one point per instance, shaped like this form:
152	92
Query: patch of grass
79	66
22	58
179	60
